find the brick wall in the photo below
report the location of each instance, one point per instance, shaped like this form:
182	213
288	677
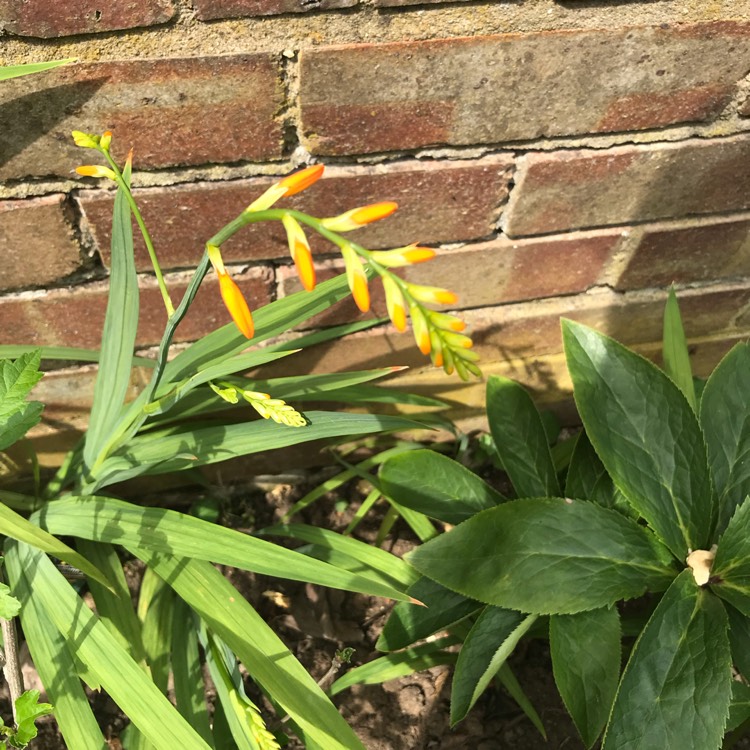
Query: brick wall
568	158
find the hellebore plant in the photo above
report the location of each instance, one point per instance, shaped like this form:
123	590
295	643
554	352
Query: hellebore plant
178	422
650	502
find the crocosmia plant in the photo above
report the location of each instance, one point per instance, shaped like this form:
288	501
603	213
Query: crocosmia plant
188	615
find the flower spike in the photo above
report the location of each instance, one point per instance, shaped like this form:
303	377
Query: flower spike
300	250
358	217
233	298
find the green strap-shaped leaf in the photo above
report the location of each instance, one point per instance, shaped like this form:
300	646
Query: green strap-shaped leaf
645	434
547	556
509	681
520	439
115	608
105	519
676	687
490	642
675	350
725	419
73	353
189	686
266	658
118	336
167	451
55	665
103	657
157	616
409	623
730	572
436	485
398	664
586	658
17	527
370	557
13	71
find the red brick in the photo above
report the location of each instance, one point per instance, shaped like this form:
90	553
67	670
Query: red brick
176	111
390	3
529	329
74	317
49	18
496	89
37	242
702	250
208	10
563	190
485	274
447	201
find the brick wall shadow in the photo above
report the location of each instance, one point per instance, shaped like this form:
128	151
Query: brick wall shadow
27	118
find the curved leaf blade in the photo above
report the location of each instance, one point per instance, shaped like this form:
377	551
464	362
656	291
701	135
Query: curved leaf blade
676	687
586	656
490	642
438	486
520	439
675	350
105	519
725	419
118	336
547	556
645	434
730	572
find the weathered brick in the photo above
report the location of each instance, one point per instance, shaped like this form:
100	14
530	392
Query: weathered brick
496	89
562	190
37	242
175	111
389	3
528	329
686	252
485	274
208	10
49	18
447	201
74	317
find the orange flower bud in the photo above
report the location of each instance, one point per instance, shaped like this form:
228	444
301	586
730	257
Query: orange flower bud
299	181
447	322
403	256
94	170
300	251
420	328
105	140
358	217
394	301
235	302
356	278
432	294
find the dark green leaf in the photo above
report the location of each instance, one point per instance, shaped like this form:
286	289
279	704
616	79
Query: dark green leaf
118	336
725	419
586	663
675	350
436	485
409	623
547	556
490	642
739	708
739	639
675	690
520	439
587	478
645	434
730	572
